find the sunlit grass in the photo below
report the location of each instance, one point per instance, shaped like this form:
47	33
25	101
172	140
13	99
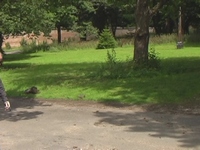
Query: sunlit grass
70	75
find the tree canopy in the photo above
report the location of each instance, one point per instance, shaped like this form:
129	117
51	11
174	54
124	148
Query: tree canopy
26	16
17	17
43	15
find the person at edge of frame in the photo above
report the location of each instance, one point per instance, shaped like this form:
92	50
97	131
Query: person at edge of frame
3	94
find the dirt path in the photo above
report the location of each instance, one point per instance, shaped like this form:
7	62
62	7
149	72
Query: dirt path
40	125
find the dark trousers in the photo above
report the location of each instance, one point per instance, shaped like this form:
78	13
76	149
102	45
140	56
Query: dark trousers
3	95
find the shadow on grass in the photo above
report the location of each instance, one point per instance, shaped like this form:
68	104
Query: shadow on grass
16	57
189	44
178	81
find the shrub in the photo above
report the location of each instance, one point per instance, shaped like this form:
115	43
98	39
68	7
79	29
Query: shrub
7	45
106	40
23	42
34	47
44	46
154	60
109	69
115	69
193	38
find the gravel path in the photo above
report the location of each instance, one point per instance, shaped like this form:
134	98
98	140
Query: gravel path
42	125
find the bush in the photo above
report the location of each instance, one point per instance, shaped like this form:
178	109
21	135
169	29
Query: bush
34	47
106	40
23	42
7	45
116	69
154	60
193	38
44	46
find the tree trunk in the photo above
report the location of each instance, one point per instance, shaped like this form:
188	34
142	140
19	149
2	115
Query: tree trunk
113	30
143	16
169	26
142	32
59	33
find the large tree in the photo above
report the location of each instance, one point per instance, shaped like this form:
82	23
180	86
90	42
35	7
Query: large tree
85	13
166	20
71	15
113	14
143	16
17	17
190	14
64	15
24	17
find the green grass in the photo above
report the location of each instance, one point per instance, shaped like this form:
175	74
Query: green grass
70	75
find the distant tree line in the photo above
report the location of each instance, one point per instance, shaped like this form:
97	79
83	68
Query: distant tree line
89	16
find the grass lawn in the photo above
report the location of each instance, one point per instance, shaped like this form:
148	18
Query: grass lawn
69	75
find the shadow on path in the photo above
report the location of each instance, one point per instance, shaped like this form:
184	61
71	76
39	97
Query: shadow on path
184	129
26	111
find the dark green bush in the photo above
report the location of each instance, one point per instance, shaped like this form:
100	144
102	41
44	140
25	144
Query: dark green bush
193	38
106	40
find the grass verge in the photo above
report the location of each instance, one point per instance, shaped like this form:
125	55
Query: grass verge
72	75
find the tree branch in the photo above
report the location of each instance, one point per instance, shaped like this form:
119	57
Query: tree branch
155	9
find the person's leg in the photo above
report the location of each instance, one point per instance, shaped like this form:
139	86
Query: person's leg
3	95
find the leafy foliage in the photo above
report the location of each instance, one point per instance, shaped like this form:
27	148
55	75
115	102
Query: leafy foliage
19	17
154	60
7	45
116	69
106	40
86	29
113	68
34	47
85	11
113	14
